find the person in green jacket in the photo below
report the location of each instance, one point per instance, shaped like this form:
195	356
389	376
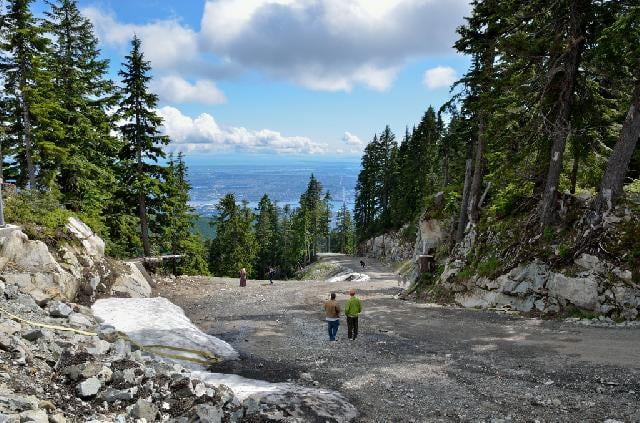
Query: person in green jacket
351	310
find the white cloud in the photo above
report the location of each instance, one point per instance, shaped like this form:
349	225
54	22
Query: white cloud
440	76
174	89
330	45
167	44
203	134
350	139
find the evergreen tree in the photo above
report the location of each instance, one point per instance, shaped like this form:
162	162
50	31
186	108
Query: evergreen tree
266	229
344	232
143	143
28	91
85	170
175	221
235	245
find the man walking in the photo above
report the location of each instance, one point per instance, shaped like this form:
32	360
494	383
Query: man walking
351	310
332	310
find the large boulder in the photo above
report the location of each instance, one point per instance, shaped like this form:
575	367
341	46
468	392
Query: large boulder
581	292
131	282
92	243
32	256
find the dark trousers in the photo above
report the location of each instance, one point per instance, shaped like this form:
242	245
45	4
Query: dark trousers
332	328
352	327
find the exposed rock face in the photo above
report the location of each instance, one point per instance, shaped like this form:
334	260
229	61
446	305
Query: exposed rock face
534	286
75	270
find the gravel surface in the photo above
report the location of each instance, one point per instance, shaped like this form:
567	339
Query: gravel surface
419	362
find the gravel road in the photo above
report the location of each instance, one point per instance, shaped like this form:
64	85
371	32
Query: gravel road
419	362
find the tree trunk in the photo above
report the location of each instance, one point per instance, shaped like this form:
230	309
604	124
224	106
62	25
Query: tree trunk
445	170
142	208
478	172
560	125
28	140
462	221
618	164
574	171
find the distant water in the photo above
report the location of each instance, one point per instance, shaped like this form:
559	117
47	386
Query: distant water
283	181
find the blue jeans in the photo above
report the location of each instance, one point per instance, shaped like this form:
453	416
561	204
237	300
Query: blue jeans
332	328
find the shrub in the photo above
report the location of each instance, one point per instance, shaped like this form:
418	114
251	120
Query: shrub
39	214
488	267
510	199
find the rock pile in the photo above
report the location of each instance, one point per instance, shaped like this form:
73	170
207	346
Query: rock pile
50	375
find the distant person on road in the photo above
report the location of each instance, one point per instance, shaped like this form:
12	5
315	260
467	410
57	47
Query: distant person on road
243	277
362	263
351	310
332	311
271	272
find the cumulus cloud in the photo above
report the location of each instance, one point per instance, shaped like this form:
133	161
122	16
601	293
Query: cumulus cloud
203	134
350	139
174	89
440	76
330	44
167	44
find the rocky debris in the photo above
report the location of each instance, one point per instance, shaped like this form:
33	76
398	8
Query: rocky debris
534	287
59	376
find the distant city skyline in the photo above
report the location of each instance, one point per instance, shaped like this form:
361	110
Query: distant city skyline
312	78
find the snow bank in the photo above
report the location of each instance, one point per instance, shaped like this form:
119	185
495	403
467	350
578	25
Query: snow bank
159	321
349	276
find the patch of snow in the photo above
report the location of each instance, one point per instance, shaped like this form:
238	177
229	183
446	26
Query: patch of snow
349	276
153	321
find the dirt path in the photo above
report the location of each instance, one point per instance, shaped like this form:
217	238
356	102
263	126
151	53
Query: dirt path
419	362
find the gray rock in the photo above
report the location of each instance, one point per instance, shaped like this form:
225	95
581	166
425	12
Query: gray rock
36	416
93	244
112	395
79	320
122	347
99	347
251	405
11	292
89	388
33	335
582	292
18	403
9	418
27	301
40	297
9	326
107	333
57	418
144	410
59	309
6	342
209	413
132	284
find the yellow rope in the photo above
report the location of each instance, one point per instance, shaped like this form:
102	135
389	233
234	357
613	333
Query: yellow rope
207	360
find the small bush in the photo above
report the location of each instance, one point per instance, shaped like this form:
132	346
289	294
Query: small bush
510	199
39	214
488	267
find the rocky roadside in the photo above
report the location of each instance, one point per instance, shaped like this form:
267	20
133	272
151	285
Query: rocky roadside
56	376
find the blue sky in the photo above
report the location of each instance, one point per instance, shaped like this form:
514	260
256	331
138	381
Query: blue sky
303	78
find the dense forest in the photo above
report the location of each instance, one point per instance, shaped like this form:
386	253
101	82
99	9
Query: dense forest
549	108
74	142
